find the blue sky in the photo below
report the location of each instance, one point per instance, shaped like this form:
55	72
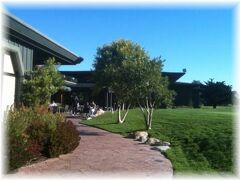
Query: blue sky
199	39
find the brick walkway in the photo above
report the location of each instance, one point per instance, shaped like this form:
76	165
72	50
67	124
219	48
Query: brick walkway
104	153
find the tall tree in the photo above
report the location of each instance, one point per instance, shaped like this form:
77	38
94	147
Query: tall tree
109	70
41	84
217	93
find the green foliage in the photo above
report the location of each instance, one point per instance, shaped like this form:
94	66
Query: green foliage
110	63
126	68
41	84
201	139
30	133
217	93
148	83
111	56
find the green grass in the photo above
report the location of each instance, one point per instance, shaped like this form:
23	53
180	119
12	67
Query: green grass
201	139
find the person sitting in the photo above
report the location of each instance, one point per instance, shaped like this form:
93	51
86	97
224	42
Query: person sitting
86	110
93	109
53	107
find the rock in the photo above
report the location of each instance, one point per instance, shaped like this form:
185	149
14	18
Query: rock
163	148
143	139
165	143
153	141
140	134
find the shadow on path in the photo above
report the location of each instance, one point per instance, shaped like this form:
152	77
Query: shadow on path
89	133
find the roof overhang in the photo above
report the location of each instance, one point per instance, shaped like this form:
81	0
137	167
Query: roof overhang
173	76
18	30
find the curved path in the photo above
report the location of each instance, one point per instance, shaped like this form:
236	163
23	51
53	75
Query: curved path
104	153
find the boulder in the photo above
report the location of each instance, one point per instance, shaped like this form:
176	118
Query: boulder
143	139
165	143
153	141
163	148
141	134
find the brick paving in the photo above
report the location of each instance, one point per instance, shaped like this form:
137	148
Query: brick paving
104	153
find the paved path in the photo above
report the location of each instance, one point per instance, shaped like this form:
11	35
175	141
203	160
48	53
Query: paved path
104	153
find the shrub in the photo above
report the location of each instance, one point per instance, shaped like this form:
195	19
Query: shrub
32	133
65	139
18	121
37	137
41	83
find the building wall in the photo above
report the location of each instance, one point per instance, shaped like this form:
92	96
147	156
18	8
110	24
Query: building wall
11	76
8	83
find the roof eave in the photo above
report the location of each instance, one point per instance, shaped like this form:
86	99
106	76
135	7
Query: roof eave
25	30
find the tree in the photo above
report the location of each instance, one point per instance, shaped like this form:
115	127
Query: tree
150	89
110	71
41	83
126	68
217	93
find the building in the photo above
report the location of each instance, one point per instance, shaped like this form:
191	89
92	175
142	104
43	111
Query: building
22	48
187	94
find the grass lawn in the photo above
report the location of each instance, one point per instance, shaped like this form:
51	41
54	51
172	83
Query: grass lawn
201	139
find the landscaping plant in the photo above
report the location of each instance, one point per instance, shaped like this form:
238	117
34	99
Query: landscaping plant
41	83
33	133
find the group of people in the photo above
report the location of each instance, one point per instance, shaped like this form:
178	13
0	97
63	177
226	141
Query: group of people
89	110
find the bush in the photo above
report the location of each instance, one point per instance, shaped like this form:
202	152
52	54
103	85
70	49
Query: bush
32	133
37	137
65	139
18	121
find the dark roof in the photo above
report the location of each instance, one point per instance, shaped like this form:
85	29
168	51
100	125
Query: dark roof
18	31
87	76
173	76
81	76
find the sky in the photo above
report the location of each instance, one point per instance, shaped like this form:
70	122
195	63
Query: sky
200	39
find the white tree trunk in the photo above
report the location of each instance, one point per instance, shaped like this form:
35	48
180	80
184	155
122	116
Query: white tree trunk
150	119
120	118
148	113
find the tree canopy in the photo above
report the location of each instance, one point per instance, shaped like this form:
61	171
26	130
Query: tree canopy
109	59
